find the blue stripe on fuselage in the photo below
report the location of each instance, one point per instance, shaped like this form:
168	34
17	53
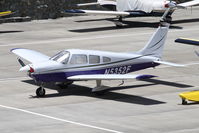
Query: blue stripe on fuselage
62	76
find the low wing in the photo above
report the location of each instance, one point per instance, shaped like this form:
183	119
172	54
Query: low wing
169	63
5	13
97	12
30	55
109	77
190	3
188	41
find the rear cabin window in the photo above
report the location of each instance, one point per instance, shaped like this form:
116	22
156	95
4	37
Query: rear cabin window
94	59
78	59
106	59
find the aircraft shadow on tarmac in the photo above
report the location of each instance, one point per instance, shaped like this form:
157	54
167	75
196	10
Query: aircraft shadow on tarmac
109	95
129	24
133	24
10	31
167	83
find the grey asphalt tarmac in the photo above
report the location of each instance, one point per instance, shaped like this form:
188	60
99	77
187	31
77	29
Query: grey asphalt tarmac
151	106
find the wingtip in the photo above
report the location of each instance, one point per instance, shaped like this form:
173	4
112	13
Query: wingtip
11	50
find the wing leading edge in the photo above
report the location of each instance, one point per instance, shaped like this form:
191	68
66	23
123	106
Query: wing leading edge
109	77
97	12
30	55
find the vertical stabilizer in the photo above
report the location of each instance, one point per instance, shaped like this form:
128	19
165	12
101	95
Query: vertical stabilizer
155	45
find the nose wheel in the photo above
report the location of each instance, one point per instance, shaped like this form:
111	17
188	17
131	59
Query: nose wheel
40	92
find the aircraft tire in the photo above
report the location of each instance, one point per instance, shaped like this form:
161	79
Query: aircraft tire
40	92
184	102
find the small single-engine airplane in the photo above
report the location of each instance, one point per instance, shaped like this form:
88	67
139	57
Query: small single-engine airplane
5	13
136	8
82	65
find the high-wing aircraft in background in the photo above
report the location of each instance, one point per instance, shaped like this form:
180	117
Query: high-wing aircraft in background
82	65
5	13
137	8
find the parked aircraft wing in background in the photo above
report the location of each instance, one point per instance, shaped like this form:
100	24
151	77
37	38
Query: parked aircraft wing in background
190	3
98	12
188	41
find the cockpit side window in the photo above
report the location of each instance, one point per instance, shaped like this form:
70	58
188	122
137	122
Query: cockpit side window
79	59
106	59
61	57
94	59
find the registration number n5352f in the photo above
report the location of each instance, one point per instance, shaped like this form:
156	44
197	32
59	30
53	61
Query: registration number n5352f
118	70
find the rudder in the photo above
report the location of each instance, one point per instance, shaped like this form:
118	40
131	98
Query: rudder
155	45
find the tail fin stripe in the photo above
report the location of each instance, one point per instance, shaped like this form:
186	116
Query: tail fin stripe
158	42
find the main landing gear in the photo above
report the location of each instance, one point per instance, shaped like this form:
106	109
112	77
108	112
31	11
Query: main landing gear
184	101
40	92
100	89
119	23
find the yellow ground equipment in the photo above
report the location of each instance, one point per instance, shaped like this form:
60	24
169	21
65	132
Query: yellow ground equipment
5	13
189	96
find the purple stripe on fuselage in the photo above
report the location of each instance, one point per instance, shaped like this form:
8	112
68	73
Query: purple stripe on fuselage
62	76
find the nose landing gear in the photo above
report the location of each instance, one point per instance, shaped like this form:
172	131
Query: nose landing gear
40	92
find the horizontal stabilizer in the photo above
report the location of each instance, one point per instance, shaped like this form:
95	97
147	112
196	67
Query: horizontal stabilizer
96	12
30	55
169	63
109	77
187	41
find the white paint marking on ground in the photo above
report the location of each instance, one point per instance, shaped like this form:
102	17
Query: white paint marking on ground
58	119
16	78
55	41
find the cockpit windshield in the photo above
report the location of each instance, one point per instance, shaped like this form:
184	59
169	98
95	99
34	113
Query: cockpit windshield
61	57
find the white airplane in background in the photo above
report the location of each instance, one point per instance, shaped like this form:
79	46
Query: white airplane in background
108	4
137	8
82	65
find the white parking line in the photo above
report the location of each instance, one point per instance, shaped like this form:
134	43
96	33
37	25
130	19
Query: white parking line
15	78
58	119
